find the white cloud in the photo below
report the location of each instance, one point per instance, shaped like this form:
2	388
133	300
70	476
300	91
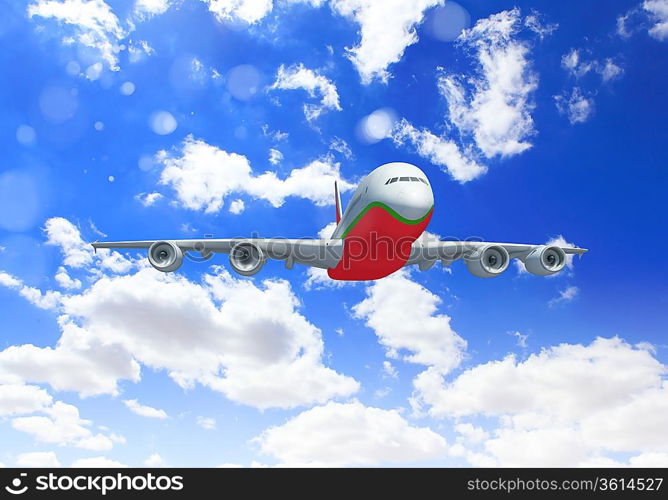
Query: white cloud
94	24
521	338
63	426
386	29
565	295
155	460
339	434
658	13
577	66
572	63
609	70
489	111
148	199
443	152
65	281
576	106
249	11
208	423
403	314
535	24
37	459
498	112
246	341
97	462
62	233
204	175
470	433
49	300
300	77
389	370
237	206
77	253
341	146
143	410
568	405
275	156
145	9
16	399
650	460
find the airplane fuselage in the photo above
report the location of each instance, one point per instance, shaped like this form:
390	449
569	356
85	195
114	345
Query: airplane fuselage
389	210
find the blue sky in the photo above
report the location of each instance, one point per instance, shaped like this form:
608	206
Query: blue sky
175	119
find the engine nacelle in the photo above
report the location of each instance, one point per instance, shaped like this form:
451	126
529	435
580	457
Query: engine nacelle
165	256
488	261
545	260
247	259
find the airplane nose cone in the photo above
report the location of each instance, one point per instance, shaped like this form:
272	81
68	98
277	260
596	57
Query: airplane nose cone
414	200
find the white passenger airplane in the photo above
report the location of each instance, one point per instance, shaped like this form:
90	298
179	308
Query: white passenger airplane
377	235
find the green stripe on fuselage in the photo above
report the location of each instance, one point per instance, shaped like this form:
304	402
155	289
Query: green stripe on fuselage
389	210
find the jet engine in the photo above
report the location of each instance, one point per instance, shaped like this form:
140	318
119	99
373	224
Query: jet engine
545	260
247	259
488	261
165	256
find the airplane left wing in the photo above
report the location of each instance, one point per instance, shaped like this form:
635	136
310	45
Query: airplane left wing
488	259
247	256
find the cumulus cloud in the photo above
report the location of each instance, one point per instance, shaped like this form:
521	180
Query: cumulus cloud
565	295
246	341
489	111
66	281
62	425
404	316
18	399
576	106
658	14
440	151
93	23
565	406
249	11
145	9
49	300
340	434
237	206
145	411
97	463
37	459
148	199
155	460
497	114
386	29
316	85
208	423
275	156
204	175
577	66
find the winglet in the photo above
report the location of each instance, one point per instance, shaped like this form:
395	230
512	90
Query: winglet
337	197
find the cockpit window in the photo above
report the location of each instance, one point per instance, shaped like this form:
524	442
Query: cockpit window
406	179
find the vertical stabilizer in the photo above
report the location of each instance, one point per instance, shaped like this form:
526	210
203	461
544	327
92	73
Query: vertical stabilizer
337	196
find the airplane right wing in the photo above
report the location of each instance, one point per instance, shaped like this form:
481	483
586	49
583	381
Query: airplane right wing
487	259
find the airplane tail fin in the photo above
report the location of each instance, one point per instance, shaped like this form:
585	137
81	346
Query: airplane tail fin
337	196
